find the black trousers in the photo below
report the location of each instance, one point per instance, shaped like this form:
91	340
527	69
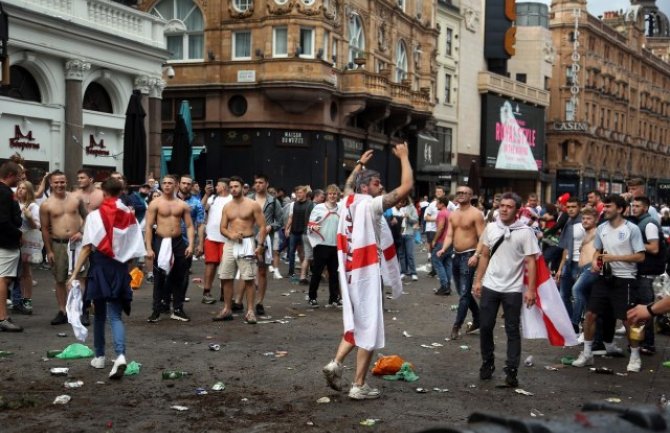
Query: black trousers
171	285
325	257
488	312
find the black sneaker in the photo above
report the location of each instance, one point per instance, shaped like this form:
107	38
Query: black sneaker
313	303
60	319
510	377
179	314
155	316
260	310
22	309
164	308
8	326
443	291
486	371
238	307
85	319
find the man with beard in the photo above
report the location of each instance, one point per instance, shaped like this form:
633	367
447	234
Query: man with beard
62	217
466	225
87	192
198	219
168	250
241	217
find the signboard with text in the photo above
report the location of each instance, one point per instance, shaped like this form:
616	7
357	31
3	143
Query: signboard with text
513	134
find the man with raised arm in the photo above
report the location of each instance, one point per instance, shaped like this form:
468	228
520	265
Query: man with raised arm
365	254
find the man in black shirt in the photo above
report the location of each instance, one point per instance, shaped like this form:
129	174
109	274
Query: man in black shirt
10	238
297	224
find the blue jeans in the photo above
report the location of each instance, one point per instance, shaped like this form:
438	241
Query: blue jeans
581	291
406	255
294	240
442	265
463	276
113	310
568	278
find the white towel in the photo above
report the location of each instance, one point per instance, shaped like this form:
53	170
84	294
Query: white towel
268	250
165	258
73	309
245	249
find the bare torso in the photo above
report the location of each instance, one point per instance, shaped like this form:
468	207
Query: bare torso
239	216
587	249
464	226
92	198
64	218
169	214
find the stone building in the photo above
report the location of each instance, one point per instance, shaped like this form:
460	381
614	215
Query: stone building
73	67
297	89
609	118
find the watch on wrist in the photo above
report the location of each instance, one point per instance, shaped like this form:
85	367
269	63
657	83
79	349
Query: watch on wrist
651	313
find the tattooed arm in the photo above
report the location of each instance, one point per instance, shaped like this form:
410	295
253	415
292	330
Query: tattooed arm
406	177
350	184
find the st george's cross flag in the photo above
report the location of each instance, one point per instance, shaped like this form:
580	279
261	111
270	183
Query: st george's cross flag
113	230
548	318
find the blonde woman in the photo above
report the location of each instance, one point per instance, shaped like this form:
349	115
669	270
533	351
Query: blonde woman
30	214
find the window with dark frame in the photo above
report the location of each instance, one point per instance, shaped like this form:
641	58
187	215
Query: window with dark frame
450	37
447	89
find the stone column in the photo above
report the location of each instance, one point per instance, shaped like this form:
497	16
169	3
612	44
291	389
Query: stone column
155	127
74	96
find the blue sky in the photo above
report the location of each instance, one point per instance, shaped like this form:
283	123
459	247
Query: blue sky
597	7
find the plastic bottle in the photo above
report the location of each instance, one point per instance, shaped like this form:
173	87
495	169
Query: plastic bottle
4	353
173	374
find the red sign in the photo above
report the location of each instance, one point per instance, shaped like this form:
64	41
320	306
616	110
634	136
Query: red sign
22	141
96	149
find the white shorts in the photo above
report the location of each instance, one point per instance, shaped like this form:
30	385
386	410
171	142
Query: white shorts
9	262
275	241
307	248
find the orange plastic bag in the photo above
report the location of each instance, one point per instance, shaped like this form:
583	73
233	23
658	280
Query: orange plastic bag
387	365
136	277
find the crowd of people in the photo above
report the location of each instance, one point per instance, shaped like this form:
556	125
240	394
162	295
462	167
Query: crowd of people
604	254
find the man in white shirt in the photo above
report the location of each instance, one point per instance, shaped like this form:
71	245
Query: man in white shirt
570	241
430	219
212	242
508	249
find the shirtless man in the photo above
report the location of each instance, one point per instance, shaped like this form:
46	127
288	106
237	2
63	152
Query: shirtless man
87	192
466	225
241	251
62	218
167	212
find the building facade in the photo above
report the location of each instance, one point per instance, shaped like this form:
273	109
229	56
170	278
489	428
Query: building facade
73	67
609	118
299	89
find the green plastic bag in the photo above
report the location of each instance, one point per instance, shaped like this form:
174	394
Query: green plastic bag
405	373
666	364
133	368
75	351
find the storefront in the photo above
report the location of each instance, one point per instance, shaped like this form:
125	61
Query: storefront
432	167
663	191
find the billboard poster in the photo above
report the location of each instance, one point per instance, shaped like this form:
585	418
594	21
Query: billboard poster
513	134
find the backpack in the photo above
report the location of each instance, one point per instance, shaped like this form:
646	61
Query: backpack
653	264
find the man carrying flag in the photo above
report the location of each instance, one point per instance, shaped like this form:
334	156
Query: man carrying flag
111	238
366	254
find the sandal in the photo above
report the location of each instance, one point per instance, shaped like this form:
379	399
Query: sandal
223	318
250	318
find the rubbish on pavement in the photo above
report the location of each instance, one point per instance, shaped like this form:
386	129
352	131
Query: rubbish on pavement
550	368
567	360
453	307
245	400
427	346
62	399
369	422
666	364
53	353
133	368
62	334
387	365
173	374
421	390
523	392
4	353
280	353
197	280
472	385
405	373
323	400
465	347
59	371
215	347
310	423
179	408
75	351
529	361
602	370
73	309
201	391
440	390
437	344
218	386
535	412
622	374
406	334
73	384
613	400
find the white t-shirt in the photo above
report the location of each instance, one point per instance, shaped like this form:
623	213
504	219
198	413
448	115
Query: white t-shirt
578	234
651	232
35	214
431	210
623	240
214	216
505	271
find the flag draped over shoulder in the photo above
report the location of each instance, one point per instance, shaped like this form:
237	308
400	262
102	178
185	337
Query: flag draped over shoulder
361	269
548	318
113	231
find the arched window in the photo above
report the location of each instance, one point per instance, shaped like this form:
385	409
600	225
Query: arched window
22	85
401	62
356	38
242	5
184	31
96	98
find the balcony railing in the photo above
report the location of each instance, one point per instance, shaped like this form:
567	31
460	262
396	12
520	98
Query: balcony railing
494	83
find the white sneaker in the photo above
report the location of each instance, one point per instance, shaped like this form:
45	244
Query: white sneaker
580	338
621	330
271	269
363	392
402	277
333	374
415	278
582	360
634	365
98	362
118	368
276	274
614	351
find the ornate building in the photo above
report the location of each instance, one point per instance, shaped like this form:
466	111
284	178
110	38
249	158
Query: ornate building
609	117
298	89
73	67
